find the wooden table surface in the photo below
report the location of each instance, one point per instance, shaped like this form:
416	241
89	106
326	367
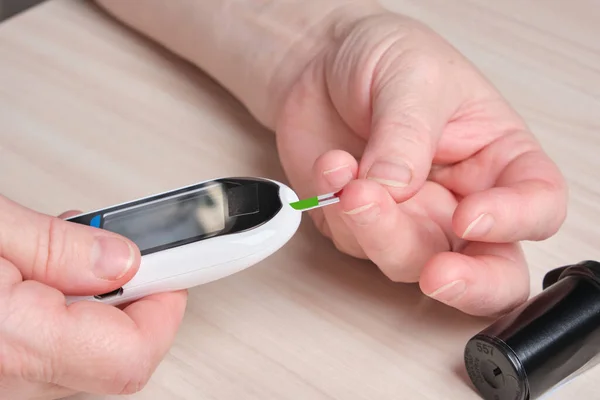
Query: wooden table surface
91	115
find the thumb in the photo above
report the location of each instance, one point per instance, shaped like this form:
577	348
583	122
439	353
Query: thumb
399	98
73	258
408	117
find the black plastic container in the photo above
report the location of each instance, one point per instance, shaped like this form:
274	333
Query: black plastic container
547	341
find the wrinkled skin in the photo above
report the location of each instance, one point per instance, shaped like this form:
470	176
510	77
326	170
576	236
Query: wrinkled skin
49	350
441	181
423	146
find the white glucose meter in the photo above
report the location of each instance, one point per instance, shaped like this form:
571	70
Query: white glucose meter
198	234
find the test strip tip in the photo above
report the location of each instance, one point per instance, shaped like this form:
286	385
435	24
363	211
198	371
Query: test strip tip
304	204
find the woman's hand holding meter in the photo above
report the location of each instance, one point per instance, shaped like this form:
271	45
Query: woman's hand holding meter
48	349
441	177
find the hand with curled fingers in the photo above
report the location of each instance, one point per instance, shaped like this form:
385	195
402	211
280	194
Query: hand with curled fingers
442	178
49	350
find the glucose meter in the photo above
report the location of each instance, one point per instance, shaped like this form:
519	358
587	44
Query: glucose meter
198	234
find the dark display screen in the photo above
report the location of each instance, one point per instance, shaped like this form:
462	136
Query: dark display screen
197	214
186	215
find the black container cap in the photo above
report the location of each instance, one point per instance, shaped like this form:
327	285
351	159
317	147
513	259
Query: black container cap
544	341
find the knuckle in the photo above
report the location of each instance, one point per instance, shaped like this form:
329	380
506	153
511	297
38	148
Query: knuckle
49	251
135	372
343	247
400	268
400	275
556	216
425	66
406	127
405	134
339	246
136	383
560	192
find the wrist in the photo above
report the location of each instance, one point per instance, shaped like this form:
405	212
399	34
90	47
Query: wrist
309	32
255	49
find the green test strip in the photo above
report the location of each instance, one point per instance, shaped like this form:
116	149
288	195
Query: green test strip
316	202
305	204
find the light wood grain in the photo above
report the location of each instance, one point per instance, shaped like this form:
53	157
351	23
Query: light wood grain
91	114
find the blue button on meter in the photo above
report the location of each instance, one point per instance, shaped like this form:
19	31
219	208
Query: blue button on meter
95	222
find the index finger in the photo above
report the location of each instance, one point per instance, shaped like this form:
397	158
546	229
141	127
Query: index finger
151	323
92	347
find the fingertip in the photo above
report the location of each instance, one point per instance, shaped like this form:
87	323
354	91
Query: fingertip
479	284
473	218
332	172
509	214
361	193
334	169
443	272
115	259
401	178
135	259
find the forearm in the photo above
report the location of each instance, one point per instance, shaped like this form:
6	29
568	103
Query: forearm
254	48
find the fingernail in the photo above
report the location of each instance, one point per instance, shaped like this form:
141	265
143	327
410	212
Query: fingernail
112	257
479	227
449	292
338	177
395	174
365	214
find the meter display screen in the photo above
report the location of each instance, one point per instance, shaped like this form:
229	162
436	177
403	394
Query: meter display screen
205	210
196	214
